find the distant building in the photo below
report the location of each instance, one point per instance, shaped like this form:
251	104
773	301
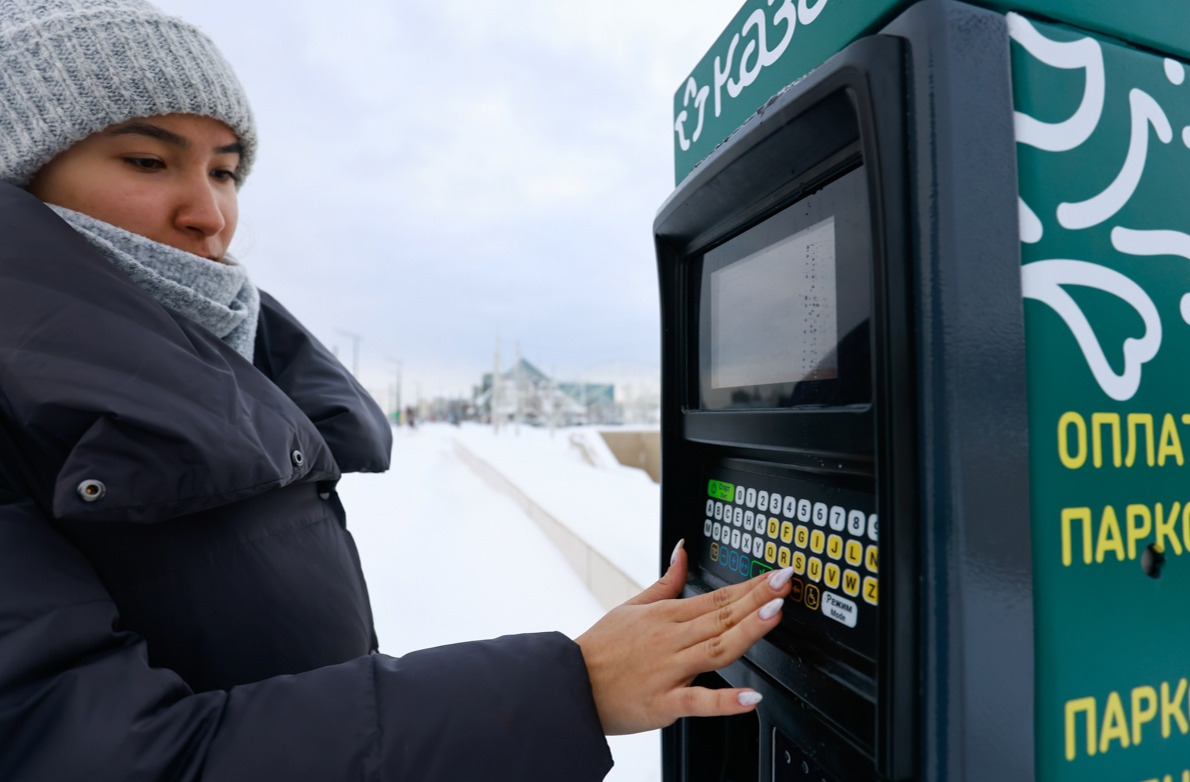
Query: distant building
540	400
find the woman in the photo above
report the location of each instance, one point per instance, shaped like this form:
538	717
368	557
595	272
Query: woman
179	595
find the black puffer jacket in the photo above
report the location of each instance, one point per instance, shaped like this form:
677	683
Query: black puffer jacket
171	544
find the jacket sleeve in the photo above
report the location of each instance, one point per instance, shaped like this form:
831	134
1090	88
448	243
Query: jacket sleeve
79	701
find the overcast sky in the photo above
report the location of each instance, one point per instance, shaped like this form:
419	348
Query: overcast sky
436	177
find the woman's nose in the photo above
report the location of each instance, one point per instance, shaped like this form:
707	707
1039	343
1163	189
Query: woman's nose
200	209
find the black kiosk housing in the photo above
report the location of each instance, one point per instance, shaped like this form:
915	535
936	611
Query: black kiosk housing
839	280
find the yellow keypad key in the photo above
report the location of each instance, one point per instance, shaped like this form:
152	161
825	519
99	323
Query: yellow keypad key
870	559
834	547
799	562
774	528
854	553
814	569
871	593
831	577
801	536
817	541
786	532
851	583
770	552
783	557
714	552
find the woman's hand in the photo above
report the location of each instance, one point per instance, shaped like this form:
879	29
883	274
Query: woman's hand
642	656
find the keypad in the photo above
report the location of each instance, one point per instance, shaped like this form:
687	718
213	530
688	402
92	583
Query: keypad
830	537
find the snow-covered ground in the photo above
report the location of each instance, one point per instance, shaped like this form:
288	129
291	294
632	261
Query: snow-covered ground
449	558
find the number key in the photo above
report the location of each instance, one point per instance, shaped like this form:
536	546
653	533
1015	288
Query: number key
856	522
820	514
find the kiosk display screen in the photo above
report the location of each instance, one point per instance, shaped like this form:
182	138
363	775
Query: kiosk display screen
784	306
757	302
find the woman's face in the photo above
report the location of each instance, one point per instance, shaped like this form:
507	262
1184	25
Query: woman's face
170	178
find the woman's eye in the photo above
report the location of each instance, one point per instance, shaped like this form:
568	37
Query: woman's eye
144	163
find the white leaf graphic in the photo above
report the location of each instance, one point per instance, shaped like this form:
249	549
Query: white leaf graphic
1069	55
1044	281
1095	210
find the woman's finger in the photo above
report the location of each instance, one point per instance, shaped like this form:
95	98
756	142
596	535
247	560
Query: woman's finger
705	702
723	638
670	584
719	611
693	607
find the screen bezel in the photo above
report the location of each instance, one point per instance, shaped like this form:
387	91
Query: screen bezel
842	196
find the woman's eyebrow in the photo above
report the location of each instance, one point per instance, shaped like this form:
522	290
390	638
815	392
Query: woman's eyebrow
152	131
168	136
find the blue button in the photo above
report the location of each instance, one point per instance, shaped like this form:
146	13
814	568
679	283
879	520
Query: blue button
735	561
745	565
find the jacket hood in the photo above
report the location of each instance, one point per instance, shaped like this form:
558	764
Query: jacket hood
114	408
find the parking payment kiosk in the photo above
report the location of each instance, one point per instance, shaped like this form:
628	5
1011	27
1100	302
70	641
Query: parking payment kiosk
925	301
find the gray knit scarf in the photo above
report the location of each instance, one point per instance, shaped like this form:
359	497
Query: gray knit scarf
217	296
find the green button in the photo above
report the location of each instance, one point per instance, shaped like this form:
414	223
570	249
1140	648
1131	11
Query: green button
720	490
758	568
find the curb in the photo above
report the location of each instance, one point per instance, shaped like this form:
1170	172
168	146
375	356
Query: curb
608	583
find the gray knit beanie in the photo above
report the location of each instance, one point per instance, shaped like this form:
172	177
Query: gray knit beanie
70	68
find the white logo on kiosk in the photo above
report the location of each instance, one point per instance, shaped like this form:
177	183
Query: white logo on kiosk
758	34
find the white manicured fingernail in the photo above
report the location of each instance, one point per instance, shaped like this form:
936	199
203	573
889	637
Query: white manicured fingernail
780	578
770	609
749	698
674	556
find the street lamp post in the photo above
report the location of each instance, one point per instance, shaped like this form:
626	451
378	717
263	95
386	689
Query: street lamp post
355	340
